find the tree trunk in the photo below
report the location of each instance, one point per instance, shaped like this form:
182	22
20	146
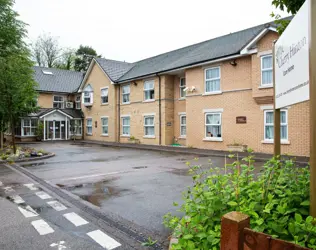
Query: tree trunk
1	140
13	136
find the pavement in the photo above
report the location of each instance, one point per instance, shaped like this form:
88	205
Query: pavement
33	217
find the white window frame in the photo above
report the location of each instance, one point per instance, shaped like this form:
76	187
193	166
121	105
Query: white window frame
153	125
89	126
182	87
78	102
127	126
212	138
62	102
29	126
104	126
272	124
107	102
87	96
149	89
128	93
212	79
183	125
268	69
80	126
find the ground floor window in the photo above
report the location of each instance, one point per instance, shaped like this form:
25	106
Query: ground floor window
76	127
269	125
149	126
29	127
183	125
89	126
105	125
126	125
213	125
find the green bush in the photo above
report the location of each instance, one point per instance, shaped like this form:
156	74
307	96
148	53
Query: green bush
276	199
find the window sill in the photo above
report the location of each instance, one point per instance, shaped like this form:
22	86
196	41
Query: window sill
283	142
125	103
105	135
182	137
151	100
104	104
88	104
126	136
268	86
89	134
213	139
181	99
213	93
149	136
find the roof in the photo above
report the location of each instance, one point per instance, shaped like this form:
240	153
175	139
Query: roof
74	113
57	80
114	69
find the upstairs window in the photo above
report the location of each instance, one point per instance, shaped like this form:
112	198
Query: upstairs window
105	96
87	96
212	80
182	87
266	70
149	90
78	102
126	89
58	102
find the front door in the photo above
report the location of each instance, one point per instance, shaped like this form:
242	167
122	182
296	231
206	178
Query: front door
57	130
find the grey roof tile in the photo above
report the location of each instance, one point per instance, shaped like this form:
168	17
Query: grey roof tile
64	81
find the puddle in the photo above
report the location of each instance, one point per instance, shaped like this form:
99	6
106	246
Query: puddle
95	193
180	172
140	167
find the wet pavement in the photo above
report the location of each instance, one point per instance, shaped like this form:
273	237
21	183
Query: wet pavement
137	185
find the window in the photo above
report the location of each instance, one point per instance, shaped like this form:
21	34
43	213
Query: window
125	93
213	125
182	87
266	70
149	126
29	127
46	72
76	127
105	125
89	126
78	102
87	96
58	102
269	125
104	95
149	90
126	126
212	80
183	125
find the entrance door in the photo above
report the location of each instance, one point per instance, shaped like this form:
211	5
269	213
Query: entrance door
57	130
49	130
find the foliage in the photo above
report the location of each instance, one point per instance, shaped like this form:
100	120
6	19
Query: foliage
39	132
149	242
84	56
276	199
66	60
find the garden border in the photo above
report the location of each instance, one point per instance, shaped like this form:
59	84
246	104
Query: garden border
38	158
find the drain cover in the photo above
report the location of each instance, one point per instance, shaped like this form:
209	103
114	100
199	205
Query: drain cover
140	167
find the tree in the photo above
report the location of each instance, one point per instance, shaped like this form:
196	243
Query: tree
66	60
46	50
84	56
291	6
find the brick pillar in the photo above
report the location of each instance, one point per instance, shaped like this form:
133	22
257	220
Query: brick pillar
232	226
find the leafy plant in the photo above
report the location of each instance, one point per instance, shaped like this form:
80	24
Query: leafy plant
149	242
132	138
276	200
40	131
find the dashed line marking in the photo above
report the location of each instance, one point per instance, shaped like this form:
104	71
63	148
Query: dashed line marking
8	189
60	245
17	199
31	186
42	227
103	239
43	195
75	219
28	211
57	205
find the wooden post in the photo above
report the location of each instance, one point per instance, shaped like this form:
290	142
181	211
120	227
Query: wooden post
232	225
276	115
312	102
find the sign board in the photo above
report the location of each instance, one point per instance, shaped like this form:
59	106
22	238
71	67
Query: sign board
241	119
292	61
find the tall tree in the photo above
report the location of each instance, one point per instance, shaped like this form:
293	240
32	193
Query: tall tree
46	50
66	60
84	56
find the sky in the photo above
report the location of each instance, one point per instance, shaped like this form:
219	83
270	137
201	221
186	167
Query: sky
131	30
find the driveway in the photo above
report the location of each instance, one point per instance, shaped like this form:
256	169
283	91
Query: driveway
136	185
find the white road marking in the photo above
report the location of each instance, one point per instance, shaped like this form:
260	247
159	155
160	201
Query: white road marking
31	186
43	195
8	189
28	211
57	205
104	240
42	227
60	245
16	199
93	175
1	184
75	219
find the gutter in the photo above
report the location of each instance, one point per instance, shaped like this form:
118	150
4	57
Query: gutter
119	114
159	105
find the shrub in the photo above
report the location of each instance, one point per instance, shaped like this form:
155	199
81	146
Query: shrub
276	199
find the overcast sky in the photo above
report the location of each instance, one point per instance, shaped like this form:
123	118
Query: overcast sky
130	30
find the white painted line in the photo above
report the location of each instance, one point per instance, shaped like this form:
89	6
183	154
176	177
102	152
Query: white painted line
93	175
60	245
57	205
42	227
31	186
16	199
43	195
8	189
28	212
1	184
75	219
104	240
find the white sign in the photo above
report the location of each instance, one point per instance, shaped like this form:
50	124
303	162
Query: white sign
292	61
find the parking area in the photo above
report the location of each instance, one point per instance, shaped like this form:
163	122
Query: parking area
137	185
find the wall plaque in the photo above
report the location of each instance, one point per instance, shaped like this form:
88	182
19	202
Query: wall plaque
241	119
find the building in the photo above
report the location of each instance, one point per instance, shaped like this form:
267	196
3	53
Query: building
208	95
